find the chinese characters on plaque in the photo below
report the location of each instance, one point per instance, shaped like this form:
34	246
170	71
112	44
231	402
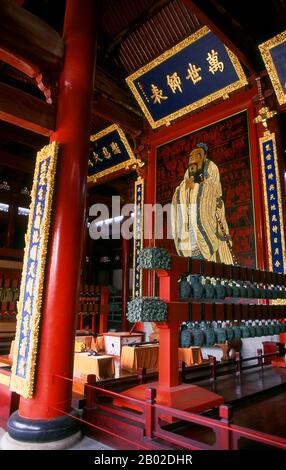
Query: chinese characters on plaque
138	236
193	73
273	205
109	152
32	284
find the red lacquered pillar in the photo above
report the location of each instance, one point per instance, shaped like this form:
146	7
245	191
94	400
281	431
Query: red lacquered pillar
125	281
104	309
56	348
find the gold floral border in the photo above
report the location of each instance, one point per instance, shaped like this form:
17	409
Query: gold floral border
25	386
242	81
124	165
270	66
139	181
262	140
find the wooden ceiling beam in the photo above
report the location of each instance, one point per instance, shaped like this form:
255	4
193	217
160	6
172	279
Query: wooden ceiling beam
10	133
231	33
24	110
17	163
105	84
29	38
136	23
114	113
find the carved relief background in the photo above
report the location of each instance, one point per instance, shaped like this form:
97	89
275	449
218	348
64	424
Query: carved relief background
229	149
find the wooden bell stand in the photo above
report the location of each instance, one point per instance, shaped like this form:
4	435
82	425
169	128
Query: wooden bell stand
170	392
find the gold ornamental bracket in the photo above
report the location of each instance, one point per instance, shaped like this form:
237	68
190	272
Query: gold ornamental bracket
264	115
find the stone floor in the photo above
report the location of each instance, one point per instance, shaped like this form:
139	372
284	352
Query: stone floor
85	444
90	444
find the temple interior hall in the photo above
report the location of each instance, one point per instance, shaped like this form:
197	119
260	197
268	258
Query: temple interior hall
142	225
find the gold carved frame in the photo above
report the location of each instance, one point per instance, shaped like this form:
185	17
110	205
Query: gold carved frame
138	182
124	165
263	139
21	385
197	104
269	64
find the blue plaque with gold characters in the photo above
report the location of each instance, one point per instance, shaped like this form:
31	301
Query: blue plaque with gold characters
110	151
273	53
32	283
198	70
273	204
138	235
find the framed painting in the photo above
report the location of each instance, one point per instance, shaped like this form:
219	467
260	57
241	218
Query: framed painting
228	150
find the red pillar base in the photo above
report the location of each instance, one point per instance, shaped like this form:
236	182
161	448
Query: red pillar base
181	397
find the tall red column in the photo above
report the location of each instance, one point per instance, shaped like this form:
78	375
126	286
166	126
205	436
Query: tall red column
56	349
125	281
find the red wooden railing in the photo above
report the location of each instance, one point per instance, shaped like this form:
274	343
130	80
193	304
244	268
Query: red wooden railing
149	416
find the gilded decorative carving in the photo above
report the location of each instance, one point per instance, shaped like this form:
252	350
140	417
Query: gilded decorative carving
273	204
138	228
221	93
131	163
270	66
33	274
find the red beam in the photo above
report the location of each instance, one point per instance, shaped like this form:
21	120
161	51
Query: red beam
24	110
29	38
9	133
19	64
15	162
113	112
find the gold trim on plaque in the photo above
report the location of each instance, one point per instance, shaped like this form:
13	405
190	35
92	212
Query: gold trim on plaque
270	66
124	165
267	136
25	385
139	181
223	92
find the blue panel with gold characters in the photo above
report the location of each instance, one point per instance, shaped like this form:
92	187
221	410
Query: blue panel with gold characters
193	73
273	53
138	236
32	284
273	205
110	151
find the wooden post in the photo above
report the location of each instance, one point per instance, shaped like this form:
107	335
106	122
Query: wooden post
260	359
125	282
238	363
150	401
56	347
104	309
89	392
213	366
226	415
142	375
